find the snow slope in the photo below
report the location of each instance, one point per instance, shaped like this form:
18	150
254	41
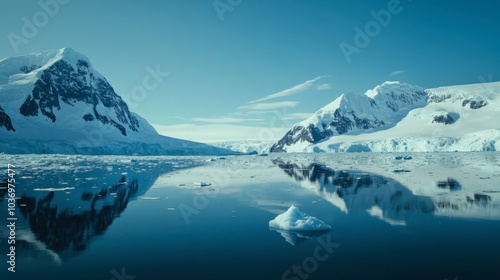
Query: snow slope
56	102
396	117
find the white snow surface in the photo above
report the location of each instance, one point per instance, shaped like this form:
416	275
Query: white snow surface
295	220
412	128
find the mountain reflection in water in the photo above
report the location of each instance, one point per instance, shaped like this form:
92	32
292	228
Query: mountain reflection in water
384	198
62	229
63	206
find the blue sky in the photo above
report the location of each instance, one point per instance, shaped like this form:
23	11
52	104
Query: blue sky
240	68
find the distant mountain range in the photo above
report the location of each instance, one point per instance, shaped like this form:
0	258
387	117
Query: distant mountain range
399	117
56	102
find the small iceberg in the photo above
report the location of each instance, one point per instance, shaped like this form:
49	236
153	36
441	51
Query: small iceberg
294	220
403	157
401	171
149	198
201	184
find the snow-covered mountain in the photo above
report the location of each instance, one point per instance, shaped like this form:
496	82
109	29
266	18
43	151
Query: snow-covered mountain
56	102
396	117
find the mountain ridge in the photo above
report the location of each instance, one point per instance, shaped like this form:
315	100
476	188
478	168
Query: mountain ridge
352	122
58	97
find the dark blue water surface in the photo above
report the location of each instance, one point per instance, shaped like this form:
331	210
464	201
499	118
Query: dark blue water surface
105	227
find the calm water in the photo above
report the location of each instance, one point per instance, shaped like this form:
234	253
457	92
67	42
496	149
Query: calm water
112	221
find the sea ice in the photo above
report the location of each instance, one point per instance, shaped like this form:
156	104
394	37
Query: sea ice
295	220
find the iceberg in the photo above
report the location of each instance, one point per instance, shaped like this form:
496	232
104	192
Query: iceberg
201	184
294	220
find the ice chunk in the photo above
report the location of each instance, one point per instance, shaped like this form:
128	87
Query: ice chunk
149	198
295	220
201	184
53	189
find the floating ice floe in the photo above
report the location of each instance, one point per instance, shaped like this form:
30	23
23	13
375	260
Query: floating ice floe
201	184
215	159
149	198
401	171
403	157
53	189
294	220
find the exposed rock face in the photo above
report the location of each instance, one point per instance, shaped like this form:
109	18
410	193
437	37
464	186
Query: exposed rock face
63	83
5	121
475	102
448	118
379	108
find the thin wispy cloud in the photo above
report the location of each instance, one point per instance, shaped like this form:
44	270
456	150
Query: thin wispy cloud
297	116
398	72
289	91
269	106
176	118
223	120
219	132
323	87
253	113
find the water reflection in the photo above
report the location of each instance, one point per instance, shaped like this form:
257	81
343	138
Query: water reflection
450	184
60	212
73	228
295	238
386	198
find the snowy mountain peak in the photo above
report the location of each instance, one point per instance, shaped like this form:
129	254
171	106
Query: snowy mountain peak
58	96
379	108
393	115
394	87
27	67
71	56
